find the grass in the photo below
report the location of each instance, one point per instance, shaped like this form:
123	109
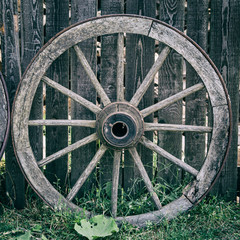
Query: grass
211	219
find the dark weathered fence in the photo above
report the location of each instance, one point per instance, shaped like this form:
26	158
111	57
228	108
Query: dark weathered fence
27	24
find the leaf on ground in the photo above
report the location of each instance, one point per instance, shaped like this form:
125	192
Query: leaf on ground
98	226
26	236
44	238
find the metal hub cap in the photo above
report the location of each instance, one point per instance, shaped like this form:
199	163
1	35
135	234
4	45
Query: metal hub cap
119	125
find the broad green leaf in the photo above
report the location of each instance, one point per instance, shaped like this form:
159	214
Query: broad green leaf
26	236
98	226
44	238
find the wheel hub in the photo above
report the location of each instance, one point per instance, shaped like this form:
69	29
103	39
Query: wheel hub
119	125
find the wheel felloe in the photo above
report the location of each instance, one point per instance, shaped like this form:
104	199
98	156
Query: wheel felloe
120	125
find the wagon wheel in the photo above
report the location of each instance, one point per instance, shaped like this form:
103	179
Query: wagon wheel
4	115
120	125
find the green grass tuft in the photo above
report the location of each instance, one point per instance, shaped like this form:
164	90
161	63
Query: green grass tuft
211	219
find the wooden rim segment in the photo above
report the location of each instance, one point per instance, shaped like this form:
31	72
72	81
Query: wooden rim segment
174	39
4	115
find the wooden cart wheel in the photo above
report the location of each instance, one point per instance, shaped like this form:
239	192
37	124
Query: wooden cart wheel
120	125
4	115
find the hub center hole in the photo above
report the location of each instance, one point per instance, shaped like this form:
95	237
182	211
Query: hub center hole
119	129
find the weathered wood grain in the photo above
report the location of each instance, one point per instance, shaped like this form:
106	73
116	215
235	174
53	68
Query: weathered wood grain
145	177
214	157
31	30
81	84
110	62
57	18
2	36
15	184
176	128
169	83
196	58
77	98
139	60
168	212
3	114
31	42
86	173
4	98
120	68
196	104
96	28
167	155
115	181
92	76
79	123
149	77
171	99
224	50
51	196
41	62
67	149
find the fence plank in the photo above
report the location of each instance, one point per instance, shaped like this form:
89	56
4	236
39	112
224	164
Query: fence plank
170	82
2	35
3	100
197	29
224	50
3	116
31	42
81	84
57	18
108	77
15	185
139	59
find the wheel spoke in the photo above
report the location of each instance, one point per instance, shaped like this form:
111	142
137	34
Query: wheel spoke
54	122
115	180
146	179
120	68
147	143
176	128
86	172
170	100
149	78
92	107
92	76
68	149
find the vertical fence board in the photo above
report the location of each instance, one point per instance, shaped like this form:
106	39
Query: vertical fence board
171	82
15	185
1	34
197	29
3	116
31	42
224	50
139	59
57	18
3	106
108	77
80	83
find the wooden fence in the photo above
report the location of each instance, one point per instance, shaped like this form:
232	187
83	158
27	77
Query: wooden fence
27	24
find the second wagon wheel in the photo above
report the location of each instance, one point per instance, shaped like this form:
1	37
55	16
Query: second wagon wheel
4	115
121	125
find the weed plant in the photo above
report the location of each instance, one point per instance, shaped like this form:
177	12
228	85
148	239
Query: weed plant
136	200
213	218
